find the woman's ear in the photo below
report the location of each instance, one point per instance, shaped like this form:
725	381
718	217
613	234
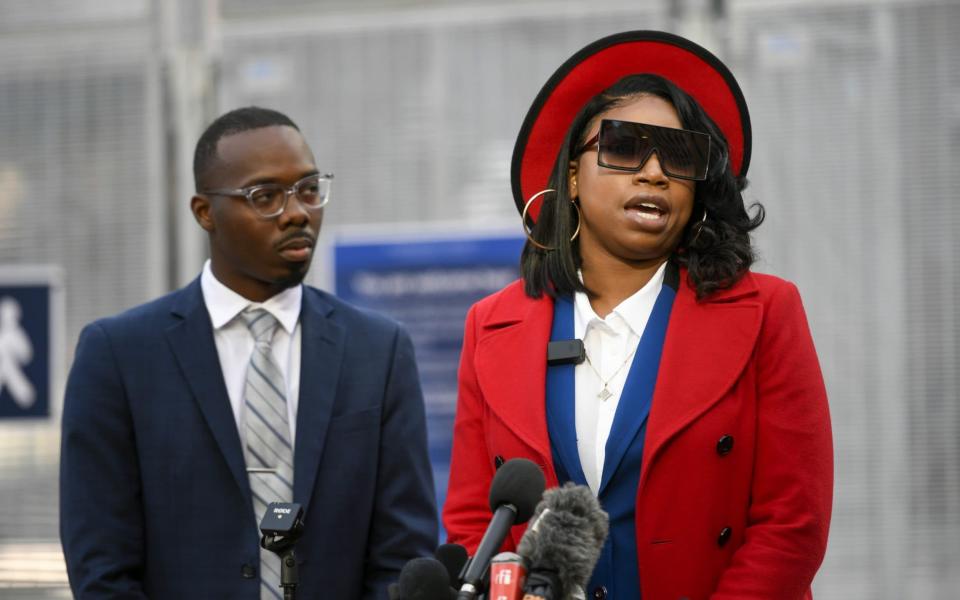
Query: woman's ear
572	179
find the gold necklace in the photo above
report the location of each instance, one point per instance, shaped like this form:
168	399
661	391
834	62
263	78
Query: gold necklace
604	394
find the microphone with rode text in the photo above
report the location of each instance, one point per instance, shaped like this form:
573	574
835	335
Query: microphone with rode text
281	526
516	488
562	545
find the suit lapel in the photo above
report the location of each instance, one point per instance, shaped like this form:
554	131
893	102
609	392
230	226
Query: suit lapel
511	365
321	357
191	340
561	398
707	346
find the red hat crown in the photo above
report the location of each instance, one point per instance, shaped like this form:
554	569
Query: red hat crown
601	64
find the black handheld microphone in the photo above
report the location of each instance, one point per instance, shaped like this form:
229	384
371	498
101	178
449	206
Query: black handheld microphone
453	557
422	579
562	545
516	488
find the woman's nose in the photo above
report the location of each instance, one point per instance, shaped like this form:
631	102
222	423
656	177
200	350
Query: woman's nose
651	171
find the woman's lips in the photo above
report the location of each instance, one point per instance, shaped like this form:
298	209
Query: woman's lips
648	212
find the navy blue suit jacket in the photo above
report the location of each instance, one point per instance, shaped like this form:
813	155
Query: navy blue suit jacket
154	497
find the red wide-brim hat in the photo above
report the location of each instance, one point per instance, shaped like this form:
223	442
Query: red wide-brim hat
601	64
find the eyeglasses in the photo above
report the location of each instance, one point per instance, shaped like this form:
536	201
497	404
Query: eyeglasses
627	146
270	199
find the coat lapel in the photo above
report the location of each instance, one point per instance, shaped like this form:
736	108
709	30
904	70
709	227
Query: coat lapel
321	358
707	346
511	365
191	339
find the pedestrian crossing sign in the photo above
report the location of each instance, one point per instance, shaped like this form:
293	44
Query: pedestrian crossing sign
27	303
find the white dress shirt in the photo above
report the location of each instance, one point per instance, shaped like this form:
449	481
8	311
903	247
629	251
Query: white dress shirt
235	342
610	344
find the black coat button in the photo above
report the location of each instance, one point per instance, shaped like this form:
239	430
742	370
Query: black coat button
600	593
248	571
725	445
724	536
498	461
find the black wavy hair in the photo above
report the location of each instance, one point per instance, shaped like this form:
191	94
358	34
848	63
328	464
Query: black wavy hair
235	121
716	252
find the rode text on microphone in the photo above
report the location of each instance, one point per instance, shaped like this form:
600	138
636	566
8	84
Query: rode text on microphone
281	526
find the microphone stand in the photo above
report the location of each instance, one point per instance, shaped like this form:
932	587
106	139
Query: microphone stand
282	546
280	536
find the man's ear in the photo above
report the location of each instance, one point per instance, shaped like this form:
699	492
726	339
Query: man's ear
572	178
200	206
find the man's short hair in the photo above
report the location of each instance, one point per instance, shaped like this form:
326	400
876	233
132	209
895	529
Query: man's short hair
235	121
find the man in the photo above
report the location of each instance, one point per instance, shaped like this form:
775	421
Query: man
185	416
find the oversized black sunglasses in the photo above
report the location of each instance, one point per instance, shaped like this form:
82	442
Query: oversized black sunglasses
627	146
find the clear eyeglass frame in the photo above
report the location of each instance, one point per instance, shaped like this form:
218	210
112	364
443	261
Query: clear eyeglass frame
269	200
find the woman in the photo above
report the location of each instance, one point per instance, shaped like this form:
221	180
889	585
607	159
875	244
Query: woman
698	414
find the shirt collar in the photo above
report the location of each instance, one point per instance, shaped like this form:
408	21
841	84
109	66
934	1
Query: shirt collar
224	304
634	310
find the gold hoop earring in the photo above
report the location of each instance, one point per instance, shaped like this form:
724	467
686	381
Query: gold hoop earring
579	220
527	232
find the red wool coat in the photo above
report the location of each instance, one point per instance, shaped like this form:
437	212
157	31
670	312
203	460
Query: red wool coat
713	520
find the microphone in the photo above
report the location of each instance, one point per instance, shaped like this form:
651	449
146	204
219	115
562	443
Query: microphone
516	488
563	544
281	526
423	579
506	577
453	557
418	579
283	519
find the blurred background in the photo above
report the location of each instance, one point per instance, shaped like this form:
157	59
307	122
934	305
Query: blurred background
415	106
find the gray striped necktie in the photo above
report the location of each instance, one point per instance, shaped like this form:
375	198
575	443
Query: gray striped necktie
268	451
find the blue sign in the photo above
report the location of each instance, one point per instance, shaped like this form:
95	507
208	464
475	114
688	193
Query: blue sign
428	285
26	339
